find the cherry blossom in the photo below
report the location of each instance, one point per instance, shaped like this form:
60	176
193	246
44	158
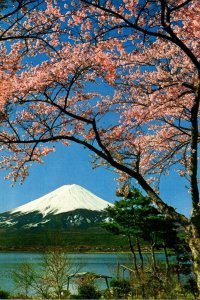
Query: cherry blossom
121	78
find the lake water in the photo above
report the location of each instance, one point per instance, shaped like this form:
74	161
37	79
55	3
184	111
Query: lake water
105	264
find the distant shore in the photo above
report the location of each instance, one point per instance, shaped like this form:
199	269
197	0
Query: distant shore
43	249
75	251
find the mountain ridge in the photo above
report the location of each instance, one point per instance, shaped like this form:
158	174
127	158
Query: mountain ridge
68	206
71	197
28	228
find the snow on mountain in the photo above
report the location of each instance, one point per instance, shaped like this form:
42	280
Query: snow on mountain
64	199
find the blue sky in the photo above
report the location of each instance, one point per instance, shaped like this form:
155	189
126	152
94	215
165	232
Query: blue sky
67	165
70	165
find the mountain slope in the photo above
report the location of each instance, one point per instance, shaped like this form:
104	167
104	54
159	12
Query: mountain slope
68	217
66	207
64	199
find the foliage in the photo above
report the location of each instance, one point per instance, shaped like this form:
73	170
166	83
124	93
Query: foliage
88	291
159	284
4	294
56	267
47	281
190	286
24	277
135	217
126	215
87	288
120	288
93	239
156	285
52	278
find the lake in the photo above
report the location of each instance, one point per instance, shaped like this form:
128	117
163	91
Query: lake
105	264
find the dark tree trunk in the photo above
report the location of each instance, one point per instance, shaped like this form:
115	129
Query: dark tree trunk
140	253
166	258
194	152
153	257
194	227
134	255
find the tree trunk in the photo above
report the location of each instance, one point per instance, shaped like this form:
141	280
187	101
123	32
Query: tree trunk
134	255
153	257
194	227
166	258
140	253
194	244
194	153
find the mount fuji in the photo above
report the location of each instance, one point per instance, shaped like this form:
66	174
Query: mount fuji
67	207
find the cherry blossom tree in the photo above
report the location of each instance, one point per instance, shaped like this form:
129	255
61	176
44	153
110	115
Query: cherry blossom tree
28	28
120	78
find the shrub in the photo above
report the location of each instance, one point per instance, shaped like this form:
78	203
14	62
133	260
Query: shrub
87	291
121	287
191	286
4	294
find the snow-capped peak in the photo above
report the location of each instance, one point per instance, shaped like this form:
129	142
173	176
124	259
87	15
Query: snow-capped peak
64	199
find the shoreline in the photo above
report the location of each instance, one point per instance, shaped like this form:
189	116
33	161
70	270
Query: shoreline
69	252
75	252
